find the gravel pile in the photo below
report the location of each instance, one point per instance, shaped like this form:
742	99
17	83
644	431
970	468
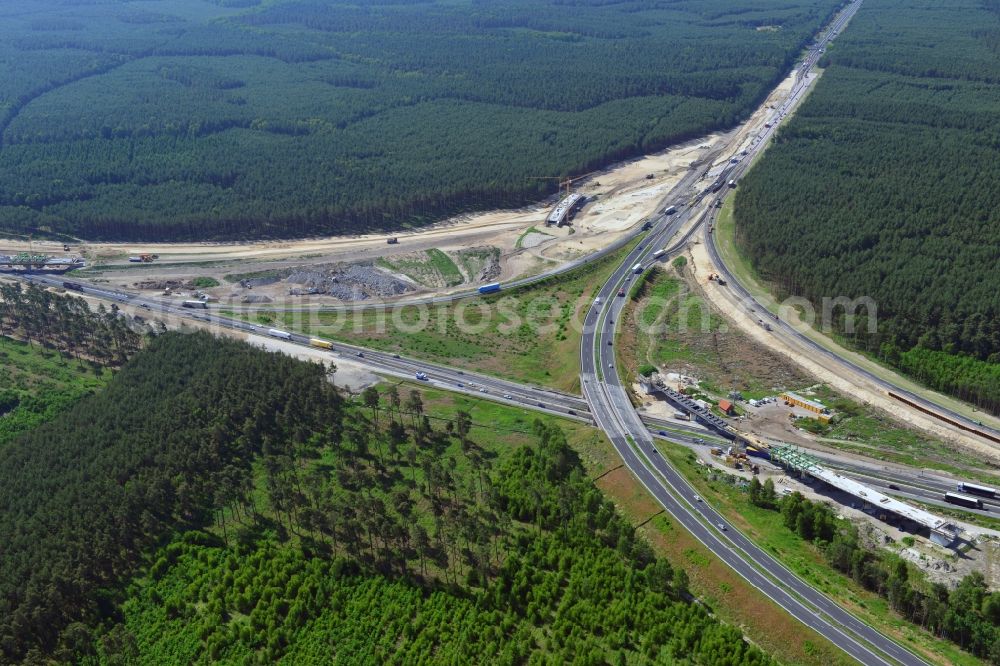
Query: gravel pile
355	282
491	271
375	281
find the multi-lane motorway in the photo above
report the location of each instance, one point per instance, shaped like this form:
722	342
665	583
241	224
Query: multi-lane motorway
612	410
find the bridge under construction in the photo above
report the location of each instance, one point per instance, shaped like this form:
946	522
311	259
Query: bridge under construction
27	261
942	531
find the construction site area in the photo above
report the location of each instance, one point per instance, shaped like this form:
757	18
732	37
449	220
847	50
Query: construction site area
587	214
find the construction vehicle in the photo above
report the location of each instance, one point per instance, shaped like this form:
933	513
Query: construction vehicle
563	182
392	241
143	258
718	278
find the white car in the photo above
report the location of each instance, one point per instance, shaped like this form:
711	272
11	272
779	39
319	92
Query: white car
722	527
506	396
697	498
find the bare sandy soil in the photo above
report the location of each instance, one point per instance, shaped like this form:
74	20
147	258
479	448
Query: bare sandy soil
944	565
619	198
658	408
348	375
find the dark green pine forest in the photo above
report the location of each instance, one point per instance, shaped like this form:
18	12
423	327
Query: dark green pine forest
209	119
886	184
217	503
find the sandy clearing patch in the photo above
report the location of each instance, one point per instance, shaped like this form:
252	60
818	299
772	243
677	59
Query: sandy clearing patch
620	197
349	374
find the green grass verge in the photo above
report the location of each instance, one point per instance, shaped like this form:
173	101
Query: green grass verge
530	230
864	430
436	269
531	334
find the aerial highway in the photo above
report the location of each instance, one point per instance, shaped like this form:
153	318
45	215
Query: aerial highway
612	410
